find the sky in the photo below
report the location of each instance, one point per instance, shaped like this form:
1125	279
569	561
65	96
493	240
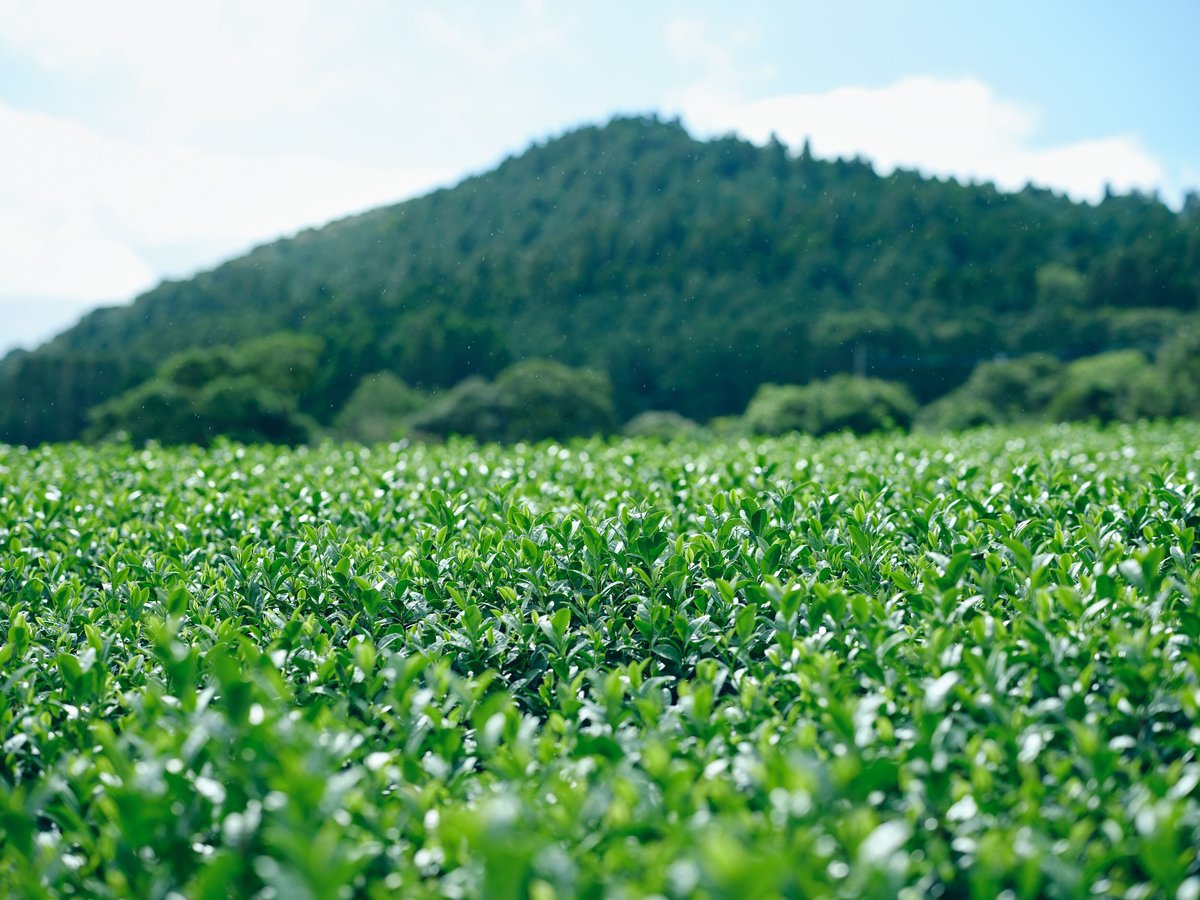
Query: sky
149	140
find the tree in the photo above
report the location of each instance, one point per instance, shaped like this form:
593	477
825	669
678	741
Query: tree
841	403
248	392
546	399
285	362
155	410
1059	320
1176	383
663	425
244	408
1001	390
378	410
529	401
1107	386
779	408
435	348
864	341
472	408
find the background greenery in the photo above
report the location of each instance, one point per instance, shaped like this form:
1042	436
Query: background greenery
688	273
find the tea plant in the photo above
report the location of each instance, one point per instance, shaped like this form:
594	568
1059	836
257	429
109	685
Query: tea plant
898	666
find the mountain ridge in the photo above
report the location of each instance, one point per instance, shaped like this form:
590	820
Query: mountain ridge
690	271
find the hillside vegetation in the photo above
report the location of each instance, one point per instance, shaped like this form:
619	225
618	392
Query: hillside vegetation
688	273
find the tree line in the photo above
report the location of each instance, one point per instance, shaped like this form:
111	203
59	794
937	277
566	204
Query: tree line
254	392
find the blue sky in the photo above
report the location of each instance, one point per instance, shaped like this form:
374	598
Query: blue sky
144	140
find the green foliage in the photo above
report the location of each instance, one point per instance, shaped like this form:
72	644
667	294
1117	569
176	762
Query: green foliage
1176	387
378	410
1061	287
432	350
689	272
249	392
193	369
864	341
1061	319
284	362
1109	386
663	425
472	408
840	403
156	410
530	400
546	399
778	409
1114	386
897	666
998	391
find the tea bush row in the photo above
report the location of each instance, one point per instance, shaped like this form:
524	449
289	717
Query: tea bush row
896	666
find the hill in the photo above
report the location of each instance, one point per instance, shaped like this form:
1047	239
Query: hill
691	272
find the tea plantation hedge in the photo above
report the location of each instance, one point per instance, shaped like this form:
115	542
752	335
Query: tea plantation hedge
896	666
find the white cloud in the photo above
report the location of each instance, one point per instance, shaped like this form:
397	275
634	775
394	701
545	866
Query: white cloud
213	126
88	217
688	39
725	62
185	132
188	70
525	33
199	63
956	128
69	258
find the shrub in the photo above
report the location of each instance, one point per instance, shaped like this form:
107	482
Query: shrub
278	674
471	408
840	403
955	412
378	410
1107	386
530	401
661	424
1176	386
728	427
546	399
778	409
242	408
156	410
998	391
249	392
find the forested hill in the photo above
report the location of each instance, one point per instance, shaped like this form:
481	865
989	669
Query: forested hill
689	271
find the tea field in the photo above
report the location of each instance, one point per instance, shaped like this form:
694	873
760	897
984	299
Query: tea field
913	666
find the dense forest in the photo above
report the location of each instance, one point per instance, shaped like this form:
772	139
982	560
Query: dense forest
688	273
